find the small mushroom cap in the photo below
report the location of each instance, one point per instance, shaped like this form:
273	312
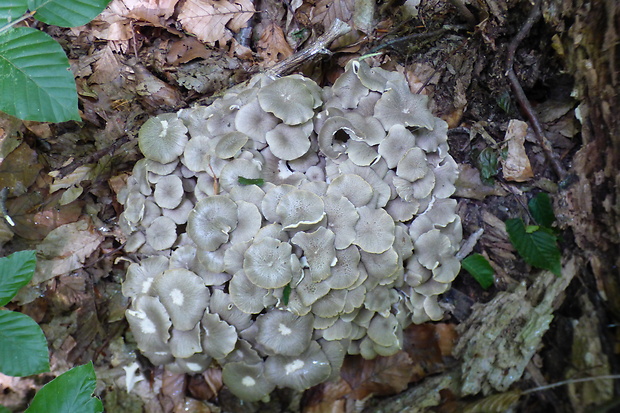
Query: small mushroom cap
346	271
161	234
330	305
184	296
327	136
397	142
184	344
211	221
348	90
230	144
353	187
162	138
253	121
169	191
341	219
318	250
298	208
289	142
219	337
382	330
399	106
299	372
149	323
249	222
288	99
222	304
199	153
140	276
247	296
361	154
413	165
374	230
247	381
230	173
267	263
431	248
284	333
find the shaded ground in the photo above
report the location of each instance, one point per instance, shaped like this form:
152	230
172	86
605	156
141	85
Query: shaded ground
136	62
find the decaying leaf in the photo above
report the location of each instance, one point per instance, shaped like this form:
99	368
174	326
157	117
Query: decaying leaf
19	170
469	185
272	45
214	21
516	166
381	376
64	249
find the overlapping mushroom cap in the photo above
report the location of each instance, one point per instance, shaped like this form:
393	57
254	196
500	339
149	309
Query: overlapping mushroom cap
286	225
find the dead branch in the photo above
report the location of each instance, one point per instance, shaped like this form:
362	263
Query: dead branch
337	29
523	101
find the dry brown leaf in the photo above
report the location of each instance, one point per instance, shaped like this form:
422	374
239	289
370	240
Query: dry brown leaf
516	166
326	11
186	49
212	20
19	170
106	68
272	45
381	376
152	11
64	250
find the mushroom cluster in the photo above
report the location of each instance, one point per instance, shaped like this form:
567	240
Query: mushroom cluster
287	225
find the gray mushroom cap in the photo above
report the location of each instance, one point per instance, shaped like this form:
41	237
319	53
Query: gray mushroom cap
268	263
211	221
140	276
399	106
299	372
161	234
184	296
247	381
374	230
162	138
319	251
298	208
219	337
252	120
284	333
184	344
398	141
169	191
150	323
289	142
288	99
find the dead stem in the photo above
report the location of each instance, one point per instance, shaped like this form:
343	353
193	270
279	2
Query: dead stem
523	101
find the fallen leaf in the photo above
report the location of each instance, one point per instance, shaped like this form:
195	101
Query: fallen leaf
212	21
272	45
64	250
516	166
381	376
185	50
19	170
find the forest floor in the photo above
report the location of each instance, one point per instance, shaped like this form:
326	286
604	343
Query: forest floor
140	59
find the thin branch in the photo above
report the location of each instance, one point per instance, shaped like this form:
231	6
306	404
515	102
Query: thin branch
523	101
337	29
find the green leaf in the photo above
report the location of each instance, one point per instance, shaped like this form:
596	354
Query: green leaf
10	10
70	392
487	164
480	269
248	181
67	13
286	294
23	348
538	248
542	210
16	270
4	410
35	79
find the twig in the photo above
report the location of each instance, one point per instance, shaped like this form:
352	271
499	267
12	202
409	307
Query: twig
337	29
523	101
62	172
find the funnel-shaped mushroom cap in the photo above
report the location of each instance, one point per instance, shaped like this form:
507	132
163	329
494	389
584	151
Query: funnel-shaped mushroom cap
246	295
398	141
184	295
289	142
341	219
253	121
140	276
230	144
398	106
348	90
298	208
299	372
267	263
184	344
247	381
353	187
211	221
150	323
288	99
284	333
374	230
413	165
161	234
432	247
162	138
319	251
382	330
219	337
327	135
169	191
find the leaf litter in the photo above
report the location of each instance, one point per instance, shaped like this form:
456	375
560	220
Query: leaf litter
142	61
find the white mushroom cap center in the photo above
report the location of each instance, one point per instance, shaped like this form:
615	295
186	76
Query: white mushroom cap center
293	366
194	366
177	296
146	285
248	381
284	330
147	326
